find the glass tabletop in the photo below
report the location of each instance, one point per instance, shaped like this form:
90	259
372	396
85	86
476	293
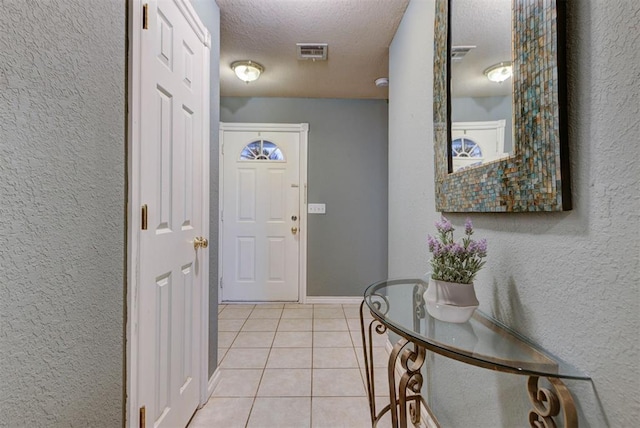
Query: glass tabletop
481	341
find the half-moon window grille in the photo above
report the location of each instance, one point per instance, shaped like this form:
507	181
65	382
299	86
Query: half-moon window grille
465	148
261	150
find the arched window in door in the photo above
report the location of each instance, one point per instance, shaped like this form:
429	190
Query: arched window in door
261	150
466	153
465	148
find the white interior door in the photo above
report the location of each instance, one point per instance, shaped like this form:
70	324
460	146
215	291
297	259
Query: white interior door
172	273
261	218
474	143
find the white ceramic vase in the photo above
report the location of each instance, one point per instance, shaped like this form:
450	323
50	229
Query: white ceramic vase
450	301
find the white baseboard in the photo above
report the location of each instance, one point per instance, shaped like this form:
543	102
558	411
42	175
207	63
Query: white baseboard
426	421
213	382
309	300
333	300
389	348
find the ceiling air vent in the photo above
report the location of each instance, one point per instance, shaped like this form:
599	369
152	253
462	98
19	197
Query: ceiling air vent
312	51
458	52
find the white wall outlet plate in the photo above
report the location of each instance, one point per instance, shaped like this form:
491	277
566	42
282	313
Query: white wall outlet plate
317	208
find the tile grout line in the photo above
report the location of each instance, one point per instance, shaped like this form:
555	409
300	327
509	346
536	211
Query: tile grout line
255	396
313	316
235	337
253	401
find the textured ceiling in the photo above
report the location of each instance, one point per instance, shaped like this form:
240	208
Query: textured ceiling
358	32
485	24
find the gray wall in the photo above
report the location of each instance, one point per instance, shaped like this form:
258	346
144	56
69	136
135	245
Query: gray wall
569	281
209	14
62	215
473	109
347	247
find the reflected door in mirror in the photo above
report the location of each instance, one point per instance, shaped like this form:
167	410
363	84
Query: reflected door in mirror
480	39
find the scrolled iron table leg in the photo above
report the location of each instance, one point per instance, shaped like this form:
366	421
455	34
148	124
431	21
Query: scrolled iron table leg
547	403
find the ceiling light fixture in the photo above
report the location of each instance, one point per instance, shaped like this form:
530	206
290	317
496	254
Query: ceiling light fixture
382	82
247	70
500	72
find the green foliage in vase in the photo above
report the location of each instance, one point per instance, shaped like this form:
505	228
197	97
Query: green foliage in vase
452	261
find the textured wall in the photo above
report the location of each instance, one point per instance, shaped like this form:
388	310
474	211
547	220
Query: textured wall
347	247
411	195
209	14
569	281
62	193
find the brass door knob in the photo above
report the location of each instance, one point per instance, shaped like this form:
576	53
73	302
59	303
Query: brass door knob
200	242
294	230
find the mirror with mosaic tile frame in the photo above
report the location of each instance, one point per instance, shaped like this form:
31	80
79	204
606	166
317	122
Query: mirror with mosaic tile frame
535	176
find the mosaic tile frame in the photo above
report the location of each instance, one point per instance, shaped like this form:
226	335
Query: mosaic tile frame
536	176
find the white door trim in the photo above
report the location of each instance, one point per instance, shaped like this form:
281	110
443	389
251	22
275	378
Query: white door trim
303	129
134	203
334	300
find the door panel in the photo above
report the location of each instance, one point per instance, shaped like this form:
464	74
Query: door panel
276	201
186	338
246	196
165	142
261	209
163	343
246	259
184	160
276	256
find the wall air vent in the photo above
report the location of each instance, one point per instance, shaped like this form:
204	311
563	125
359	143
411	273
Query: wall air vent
312	51
458	52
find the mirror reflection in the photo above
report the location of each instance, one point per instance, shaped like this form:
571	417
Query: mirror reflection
481	109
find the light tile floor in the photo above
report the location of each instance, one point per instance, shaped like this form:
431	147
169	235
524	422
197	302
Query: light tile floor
291	365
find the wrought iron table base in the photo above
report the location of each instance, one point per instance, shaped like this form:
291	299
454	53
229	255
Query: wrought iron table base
547	402
409	384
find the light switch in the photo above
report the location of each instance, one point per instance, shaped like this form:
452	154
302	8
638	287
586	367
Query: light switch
317	209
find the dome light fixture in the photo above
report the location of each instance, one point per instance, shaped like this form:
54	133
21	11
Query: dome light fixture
382	82
499	72
247	70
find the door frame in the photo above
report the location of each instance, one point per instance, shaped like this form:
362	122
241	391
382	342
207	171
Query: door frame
134	202
303	130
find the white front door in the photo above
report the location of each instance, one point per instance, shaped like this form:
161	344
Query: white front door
172	273
261	217
475	143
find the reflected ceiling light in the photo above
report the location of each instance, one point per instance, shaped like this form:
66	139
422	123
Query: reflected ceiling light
246	70
500	72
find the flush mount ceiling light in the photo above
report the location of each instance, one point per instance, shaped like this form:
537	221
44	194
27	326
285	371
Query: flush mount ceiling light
246	70
500	72
382	82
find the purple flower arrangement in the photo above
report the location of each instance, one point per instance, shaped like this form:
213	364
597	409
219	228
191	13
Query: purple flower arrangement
452	261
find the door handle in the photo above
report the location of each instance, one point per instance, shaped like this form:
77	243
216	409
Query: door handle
294	230
200	242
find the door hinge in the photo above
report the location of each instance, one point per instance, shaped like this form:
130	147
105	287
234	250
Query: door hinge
220	282
145	16
143	417
222	215
222	148
143	220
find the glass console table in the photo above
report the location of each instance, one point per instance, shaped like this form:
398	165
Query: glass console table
398	306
